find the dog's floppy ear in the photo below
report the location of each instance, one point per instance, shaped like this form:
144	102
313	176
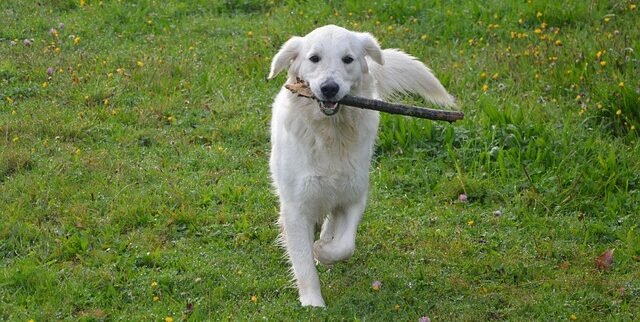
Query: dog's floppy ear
371	47
283	58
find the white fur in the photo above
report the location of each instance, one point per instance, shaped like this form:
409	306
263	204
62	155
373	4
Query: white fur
320	164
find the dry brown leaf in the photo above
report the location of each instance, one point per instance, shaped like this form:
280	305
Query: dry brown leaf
604	261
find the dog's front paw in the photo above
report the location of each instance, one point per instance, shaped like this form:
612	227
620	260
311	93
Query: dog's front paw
329	253
315	301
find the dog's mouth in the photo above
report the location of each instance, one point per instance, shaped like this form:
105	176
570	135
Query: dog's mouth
329	108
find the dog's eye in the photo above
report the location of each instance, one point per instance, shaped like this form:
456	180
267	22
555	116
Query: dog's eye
314	59
347	59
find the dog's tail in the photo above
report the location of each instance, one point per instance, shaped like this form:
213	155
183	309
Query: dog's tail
403	74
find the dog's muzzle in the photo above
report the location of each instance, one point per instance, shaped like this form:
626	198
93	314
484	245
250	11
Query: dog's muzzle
329	108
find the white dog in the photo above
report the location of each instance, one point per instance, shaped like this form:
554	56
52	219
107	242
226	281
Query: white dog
321	152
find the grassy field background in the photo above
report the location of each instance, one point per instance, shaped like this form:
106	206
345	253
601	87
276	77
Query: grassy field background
134	146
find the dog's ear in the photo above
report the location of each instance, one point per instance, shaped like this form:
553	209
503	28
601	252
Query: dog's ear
371	47
283	58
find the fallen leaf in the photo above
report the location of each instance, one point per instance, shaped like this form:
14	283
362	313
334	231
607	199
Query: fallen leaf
605	260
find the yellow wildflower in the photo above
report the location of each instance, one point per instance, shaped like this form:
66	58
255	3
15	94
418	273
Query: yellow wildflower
155	299
82	3
485	87
168	319
619	112
250	34
254	299
633	6
573	317
621	84
538	14
154	284
603	63
495	76
470	222
558	42
76	40
45	85
140	64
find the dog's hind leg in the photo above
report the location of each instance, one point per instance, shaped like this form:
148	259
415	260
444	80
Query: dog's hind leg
297	230
338	236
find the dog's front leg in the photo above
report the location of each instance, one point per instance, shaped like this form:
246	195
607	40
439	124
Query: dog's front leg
338	237
298	231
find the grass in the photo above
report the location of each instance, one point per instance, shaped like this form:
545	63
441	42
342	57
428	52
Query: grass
134	181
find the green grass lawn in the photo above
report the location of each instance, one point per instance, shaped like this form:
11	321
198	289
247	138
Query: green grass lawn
134	183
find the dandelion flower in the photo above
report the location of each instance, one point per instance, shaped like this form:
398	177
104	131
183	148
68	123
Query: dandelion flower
603	63
633	6
485	88
76	40
45	85
250	34
619	112
140	64
154	284
495	76
397	307
558	42
538	14
155	299
621	84
470	222
168	319
423	37
573	317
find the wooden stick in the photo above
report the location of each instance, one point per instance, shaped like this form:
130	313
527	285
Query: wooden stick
301	88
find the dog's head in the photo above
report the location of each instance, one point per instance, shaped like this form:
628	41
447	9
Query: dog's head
330	59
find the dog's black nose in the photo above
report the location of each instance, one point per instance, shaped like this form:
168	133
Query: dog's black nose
329	89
